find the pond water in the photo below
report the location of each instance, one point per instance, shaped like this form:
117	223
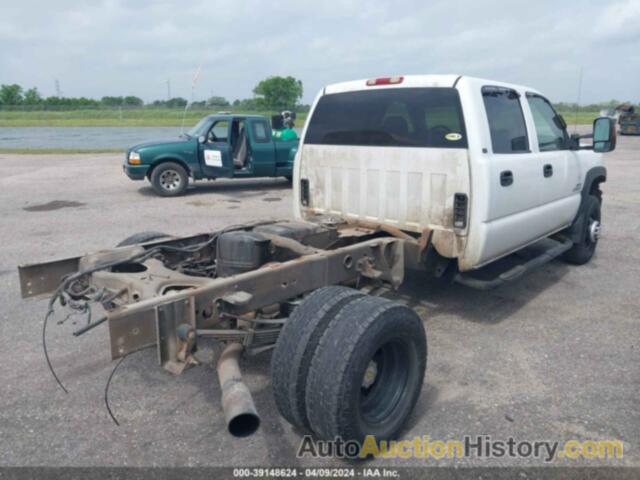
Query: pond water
82	137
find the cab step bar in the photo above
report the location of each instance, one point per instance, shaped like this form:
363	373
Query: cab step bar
563	244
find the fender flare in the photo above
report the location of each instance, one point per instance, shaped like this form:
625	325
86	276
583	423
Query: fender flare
165	159
595	176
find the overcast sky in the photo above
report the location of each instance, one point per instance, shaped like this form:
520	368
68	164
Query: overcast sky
97	48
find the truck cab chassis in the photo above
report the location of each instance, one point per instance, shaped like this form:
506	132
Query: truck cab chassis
440	174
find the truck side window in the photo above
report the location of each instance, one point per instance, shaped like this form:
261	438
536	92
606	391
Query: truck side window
260	132
506	121
552	135
219	131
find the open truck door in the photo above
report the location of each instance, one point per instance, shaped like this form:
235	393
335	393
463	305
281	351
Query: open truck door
214	150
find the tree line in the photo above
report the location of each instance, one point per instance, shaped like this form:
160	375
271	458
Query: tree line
591	107
273	93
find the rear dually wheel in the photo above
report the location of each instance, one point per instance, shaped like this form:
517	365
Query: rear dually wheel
367	373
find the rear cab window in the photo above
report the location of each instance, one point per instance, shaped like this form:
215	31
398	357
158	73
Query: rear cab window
391	117
506	120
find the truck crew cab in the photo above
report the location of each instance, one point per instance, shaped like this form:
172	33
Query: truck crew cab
219	146
439	173
484	168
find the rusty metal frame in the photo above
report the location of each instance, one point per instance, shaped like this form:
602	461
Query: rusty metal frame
149	299
40	279
174	320
149	321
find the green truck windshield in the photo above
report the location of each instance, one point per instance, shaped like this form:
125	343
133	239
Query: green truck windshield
201	128
398	117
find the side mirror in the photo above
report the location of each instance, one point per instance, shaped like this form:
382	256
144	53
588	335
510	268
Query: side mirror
604	134
202	139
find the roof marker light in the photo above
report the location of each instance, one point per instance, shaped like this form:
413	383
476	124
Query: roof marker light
384	81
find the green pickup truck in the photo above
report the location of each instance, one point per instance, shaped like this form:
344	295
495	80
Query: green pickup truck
219	146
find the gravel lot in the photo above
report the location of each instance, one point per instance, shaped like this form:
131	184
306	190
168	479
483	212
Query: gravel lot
554	356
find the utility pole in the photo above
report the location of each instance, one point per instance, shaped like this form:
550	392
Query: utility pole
168	89
58	91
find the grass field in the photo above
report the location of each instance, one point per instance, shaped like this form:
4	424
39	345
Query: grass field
152	118
583	118
109	118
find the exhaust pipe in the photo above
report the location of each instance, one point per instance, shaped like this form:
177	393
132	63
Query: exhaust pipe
239	411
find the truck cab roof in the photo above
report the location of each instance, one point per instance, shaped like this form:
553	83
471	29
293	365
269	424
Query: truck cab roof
417	81
234	116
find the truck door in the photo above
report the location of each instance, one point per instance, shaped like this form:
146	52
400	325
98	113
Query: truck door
262	151
561	172
215	152
515	182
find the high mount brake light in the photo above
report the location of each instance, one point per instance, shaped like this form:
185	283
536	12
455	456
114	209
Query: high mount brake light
384	81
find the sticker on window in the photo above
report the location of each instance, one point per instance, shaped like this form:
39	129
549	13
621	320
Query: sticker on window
212	158
453	136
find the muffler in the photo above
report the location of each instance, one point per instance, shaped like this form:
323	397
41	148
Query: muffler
239	411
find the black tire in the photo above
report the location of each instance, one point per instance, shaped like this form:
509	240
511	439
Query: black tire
368	332
583	250
142	237
296	347
169	179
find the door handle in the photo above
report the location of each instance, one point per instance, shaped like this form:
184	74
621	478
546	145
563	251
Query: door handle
506	178
547	170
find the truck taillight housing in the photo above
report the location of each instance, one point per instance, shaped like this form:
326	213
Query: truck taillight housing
460	208
304	192
384	81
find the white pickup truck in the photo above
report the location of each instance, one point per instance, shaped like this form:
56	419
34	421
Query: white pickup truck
437	173
486	167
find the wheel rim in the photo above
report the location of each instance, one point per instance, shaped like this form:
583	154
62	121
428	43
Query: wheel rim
170	180
595	230
384	382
